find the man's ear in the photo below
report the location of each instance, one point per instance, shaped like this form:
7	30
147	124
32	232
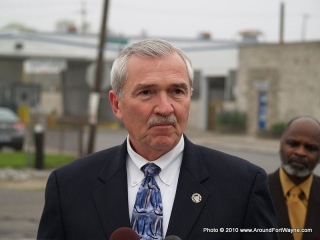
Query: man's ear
115	104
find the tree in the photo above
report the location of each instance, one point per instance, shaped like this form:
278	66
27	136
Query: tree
18	26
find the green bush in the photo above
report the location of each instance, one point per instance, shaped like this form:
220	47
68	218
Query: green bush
231	121
277	129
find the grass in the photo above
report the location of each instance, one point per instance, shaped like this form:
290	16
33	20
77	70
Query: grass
23	159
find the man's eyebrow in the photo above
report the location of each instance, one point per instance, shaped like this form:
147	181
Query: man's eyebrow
142	87
147	86
180	85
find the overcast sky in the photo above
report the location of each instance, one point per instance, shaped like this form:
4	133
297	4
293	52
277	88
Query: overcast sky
173	18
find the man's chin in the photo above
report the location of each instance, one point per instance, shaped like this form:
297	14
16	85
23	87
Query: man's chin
297	170
164	141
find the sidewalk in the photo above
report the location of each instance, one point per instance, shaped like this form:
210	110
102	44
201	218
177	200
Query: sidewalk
234	142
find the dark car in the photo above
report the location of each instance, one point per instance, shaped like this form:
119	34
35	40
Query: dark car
12	130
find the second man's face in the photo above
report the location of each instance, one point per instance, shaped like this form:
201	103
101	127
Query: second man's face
300	147
155	104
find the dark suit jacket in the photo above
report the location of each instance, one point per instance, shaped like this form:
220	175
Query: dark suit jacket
88	198
313	211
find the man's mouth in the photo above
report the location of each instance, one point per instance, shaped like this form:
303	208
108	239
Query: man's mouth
300	163
161	121
162	125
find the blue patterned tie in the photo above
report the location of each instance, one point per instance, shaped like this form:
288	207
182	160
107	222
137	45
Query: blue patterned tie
147	211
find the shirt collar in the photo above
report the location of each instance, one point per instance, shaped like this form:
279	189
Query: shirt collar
169	163
287	184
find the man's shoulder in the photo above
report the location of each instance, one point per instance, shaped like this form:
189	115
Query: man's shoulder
91	162
221	161
223	157
274	174
316	179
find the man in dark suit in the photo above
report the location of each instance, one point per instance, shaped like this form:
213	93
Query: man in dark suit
199	194
300	153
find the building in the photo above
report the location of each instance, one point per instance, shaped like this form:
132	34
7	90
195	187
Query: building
277	82
71	58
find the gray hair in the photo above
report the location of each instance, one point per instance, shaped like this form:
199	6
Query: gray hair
149	48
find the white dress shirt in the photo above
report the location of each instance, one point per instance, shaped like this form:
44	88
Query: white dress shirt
167	179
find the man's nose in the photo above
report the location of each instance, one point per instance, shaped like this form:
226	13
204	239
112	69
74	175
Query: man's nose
300	150
163	105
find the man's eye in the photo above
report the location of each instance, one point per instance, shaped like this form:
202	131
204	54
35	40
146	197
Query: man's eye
145	92
178	91
312	148
293	143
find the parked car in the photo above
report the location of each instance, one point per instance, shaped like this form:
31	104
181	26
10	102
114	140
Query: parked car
12	130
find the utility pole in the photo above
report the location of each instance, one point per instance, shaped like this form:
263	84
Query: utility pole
304	27
281	33
83	13
99	74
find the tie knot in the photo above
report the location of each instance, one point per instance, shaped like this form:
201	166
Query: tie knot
150	169
296	192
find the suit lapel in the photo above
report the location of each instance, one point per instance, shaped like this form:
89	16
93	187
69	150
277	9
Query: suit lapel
313	215
280	204
192	174
112	198
280	200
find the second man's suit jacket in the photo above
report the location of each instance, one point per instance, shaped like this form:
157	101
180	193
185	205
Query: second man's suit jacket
313	211
88	198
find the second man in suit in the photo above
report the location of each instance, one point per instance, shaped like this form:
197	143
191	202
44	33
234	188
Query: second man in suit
294	187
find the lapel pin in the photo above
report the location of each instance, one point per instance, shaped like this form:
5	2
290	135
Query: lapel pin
196	197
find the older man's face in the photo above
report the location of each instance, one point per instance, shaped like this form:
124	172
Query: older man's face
300	147
155	104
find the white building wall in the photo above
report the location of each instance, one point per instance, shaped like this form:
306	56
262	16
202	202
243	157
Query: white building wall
216	62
